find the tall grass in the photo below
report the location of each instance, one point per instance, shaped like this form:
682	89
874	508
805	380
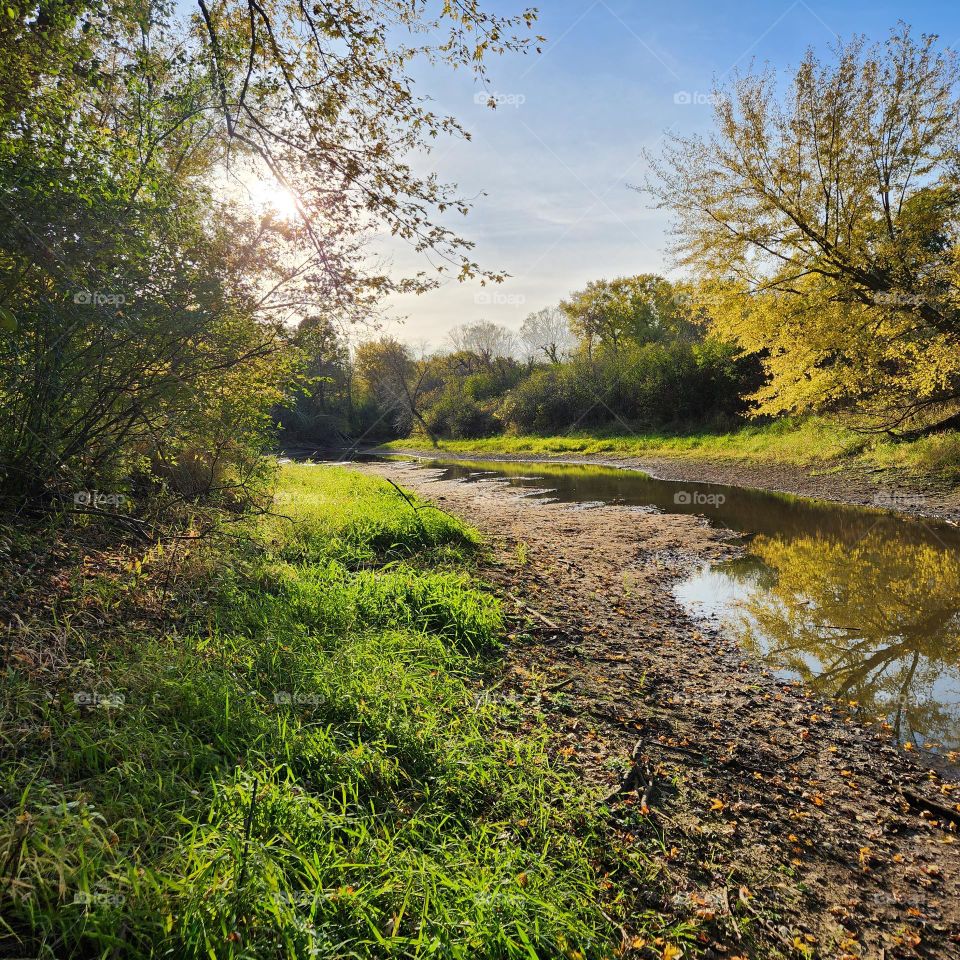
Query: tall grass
288	757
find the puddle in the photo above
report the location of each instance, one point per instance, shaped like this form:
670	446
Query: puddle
861	604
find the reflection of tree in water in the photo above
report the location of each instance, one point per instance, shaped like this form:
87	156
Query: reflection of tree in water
878	622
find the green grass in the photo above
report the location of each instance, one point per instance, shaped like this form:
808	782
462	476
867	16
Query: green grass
805	442
281	752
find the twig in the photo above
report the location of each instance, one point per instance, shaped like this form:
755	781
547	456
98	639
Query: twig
535	613
917	800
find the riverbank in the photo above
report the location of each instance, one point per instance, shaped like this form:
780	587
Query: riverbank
277	742
776	823
810	443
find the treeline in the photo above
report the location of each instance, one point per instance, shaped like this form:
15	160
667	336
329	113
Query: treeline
633	352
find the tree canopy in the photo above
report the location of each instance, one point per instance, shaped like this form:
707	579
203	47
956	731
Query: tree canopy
822	220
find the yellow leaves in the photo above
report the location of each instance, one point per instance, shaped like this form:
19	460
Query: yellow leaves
670	952
804	945
717	805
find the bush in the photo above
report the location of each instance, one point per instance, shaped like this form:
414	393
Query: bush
654	385
458	416
550	399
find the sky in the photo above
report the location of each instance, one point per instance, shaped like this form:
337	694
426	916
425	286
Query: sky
551	168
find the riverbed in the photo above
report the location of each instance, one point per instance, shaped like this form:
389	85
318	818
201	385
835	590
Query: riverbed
862	604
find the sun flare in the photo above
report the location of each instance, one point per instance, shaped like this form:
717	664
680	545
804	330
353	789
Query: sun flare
268	196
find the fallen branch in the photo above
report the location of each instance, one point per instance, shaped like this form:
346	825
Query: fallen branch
535	613
918	801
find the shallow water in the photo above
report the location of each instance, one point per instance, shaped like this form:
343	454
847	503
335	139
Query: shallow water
863	604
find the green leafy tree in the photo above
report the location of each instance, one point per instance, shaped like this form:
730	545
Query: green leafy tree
611	314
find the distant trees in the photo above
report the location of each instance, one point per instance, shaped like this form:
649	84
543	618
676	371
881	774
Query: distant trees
611	314
662	370
322	408
398	379
824	222
546	335
486	341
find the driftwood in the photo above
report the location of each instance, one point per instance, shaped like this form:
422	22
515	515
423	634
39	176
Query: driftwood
918	801
535	613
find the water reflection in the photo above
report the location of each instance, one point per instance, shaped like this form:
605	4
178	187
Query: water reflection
876	622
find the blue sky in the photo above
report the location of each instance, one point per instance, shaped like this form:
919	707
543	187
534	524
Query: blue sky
555	160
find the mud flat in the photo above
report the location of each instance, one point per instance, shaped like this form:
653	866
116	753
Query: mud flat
842	484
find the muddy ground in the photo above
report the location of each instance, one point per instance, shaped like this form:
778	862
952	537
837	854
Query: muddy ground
772	820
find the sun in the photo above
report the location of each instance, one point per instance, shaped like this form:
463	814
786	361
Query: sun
266	195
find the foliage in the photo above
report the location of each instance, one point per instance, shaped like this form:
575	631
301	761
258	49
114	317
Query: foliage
458	415
823	226
647	365
145	308
611	314
654	385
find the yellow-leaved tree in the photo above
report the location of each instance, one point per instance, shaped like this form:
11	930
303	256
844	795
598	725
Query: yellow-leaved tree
821	221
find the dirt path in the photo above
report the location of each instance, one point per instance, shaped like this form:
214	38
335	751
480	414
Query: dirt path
774	822
844	483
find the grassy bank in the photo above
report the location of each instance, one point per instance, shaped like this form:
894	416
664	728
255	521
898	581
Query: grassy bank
801	443
277	746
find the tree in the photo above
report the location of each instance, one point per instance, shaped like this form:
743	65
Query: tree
611	313
398	379
824	226
546	334
487	341
320	94
322	410
144	315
